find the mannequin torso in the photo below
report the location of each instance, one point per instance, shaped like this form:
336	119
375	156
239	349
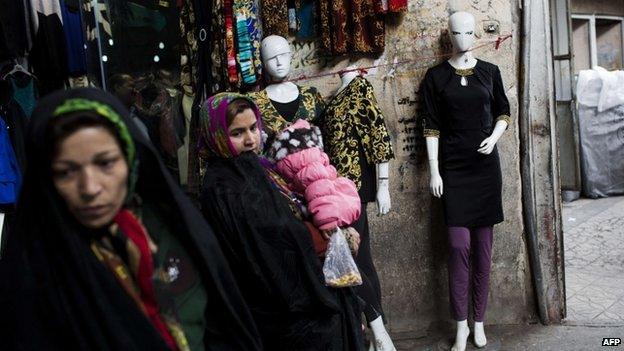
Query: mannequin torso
283	92
276	100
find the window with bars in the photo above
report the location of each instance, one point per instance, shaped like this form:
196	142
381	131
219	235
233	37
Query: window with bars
598	41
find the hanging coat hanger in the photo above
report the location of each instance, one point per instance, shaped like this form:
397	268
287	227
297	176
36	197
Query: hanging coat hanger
17	68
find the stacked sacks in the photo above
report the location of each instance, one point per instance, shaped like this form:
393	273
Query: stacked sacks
299	158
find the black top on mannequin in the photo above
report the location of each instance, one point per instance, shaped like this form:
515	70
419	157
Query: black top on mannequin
288	110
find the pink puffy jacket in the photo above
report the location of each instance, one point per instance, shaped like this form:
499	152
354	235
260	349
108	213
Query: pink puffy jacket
333	201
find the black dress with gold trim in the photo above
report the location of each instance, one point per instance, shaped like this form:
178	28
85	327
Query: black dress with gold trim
461	108
355	135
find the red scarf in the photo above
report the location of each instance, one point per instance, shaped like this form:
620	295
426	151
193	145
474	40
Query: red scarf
130	226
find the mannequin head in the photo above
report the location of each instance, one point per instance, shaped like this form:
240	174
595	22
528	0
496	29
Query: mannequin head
461	30
276	56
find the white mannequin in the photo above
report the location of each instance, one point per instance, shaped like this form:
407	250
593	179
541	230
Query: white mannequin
183	151
461	30
276	58
381	339
383	193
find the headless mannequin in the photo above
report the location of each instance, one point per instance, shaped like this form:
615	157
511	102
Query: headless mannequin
461	29
382	340
383	193
276	58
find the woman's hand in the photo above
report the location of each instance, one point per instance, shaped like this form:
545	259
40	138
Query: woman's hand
327	233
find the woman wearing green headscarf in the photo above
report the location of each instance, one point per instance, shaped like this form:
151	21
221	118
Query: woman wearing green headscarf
108	254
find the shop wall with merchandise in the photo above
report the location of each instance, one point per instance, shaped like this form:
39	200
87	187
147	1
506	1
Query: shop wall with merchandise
180	51
409	244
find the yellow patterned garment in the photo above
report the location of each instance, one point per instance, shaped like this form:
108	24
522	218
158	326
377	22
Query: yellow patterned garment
274	18
351	119
310	108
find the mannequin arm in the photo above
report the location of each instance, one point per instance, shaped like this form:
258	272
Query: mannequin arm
435	182
383	193
487	145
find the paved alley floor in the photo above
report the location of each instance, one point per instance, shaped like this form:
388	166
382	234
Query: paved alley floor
594	261
525	338
594	268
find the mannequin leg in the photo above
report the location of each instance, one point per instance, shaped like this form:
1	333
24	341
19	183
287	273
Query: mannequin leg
365	263
459	267
482	258
382	341
370	290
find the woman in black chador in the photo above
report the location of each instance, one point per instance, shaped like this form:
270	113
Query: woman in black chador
108	253
262	232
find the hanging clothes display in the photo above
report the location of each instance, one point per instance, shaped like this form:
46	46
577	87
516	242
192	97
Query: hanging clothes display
248	36
15	36
188	48
305	12
48	56
10	176
74	36
309	108
229	44
275	18
16	121
462	116
351	26
24	91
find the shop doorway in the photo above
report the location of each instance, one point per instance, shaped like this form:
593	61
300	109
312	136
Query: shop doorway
587	34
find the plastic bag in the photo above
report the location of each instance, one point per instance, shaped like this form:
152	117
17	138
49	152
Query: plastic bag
340	269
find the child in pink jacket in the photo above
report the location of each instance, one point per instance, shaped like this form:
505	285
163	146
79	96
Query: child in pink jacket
299	158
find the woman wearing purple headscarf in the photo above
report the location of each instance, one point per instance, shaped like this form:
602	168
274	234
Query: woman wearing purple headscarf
268	246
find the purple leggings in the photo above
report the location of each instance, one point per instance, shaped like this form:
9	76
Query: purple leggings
460	241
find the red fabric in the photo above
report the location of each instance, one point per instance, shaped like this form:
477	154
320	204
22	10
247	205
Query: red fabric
131	227
229	41
397	5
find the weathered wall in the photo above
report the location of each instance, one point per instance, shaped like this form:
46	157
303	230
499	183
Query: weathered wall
409	244
598	7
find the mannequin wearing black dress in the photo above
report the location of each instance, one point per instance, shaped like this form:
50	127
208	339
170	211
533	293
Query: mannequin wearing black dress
462	117
465	113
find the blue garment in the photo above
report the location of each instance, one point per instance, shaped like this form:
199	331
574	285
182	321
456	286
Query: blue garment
305	19
74	36
10	177
25	96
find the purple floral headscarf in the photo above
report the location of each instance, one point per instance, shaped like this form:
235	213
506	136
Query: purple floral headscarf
214	139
